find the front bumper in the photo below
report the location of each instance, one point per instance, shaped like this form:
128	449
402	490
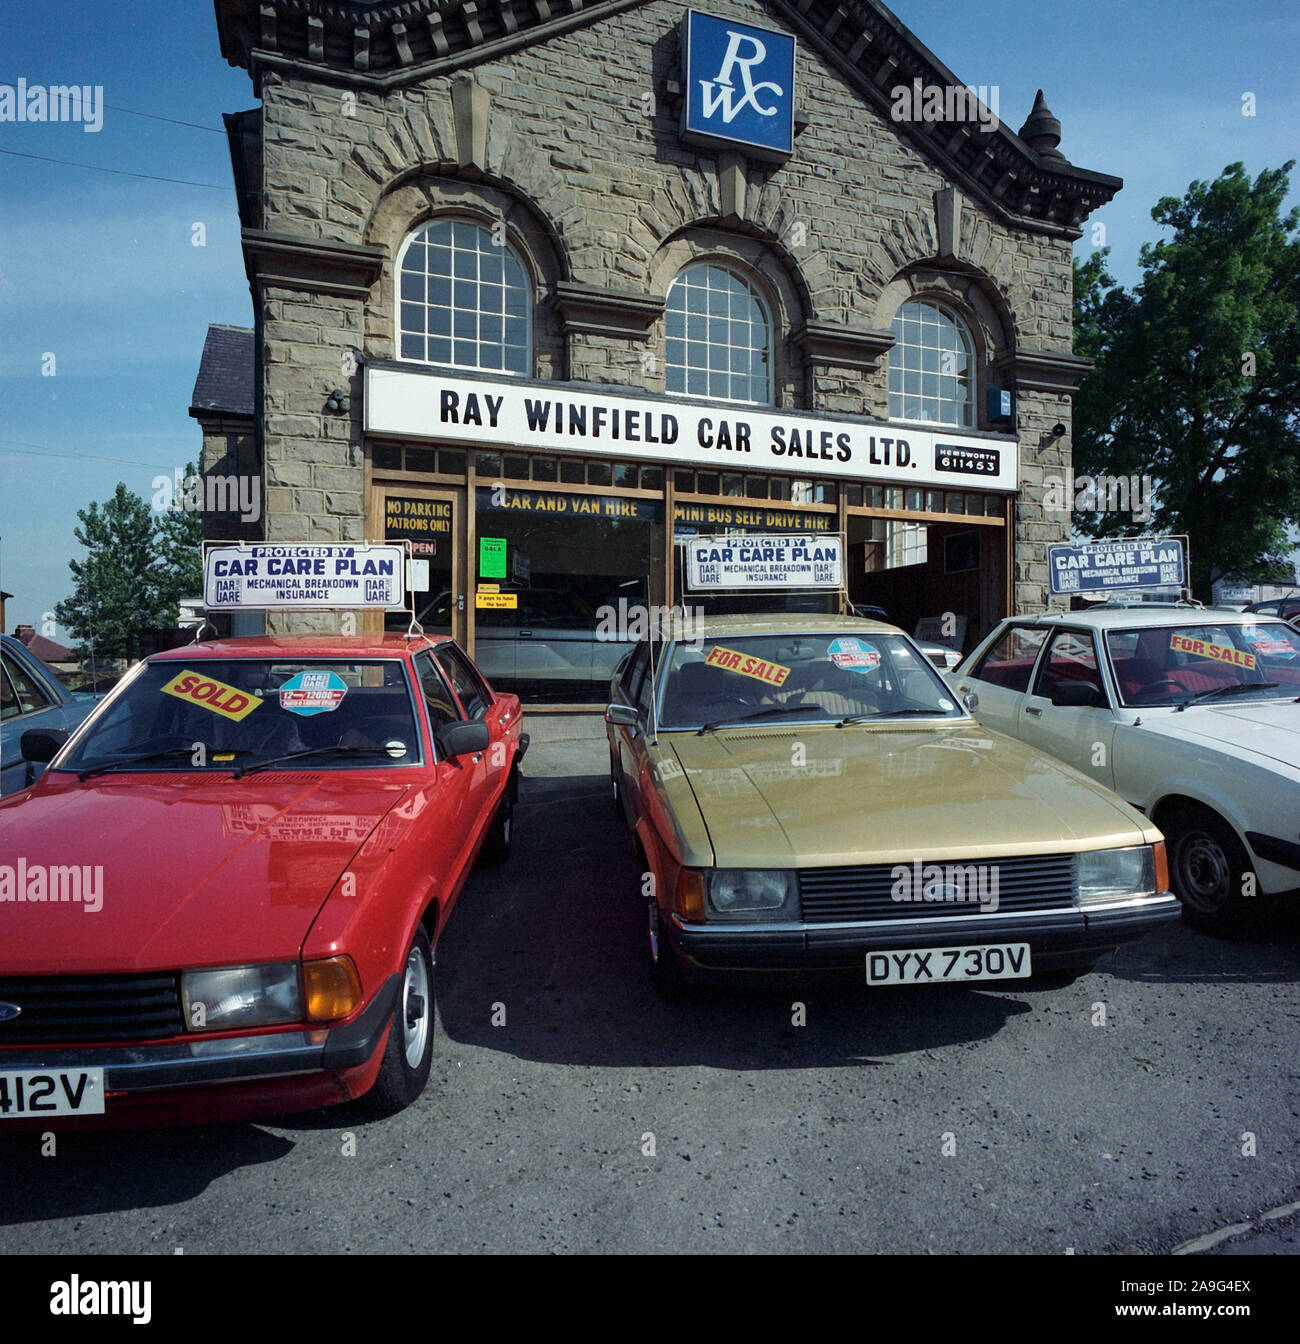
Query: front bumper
202	1062
1053	936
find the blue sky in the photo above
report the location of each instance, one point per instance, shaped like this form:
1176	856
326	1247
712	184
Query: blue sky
101	271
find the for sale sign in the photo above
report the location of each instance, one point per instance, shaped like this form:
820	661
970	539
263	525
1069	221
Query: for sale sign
1113	566
261	577
778	561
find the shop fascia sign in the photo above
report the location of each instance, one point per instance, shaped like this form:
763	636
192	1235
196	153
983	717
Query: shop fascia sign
807	560
261	577
1118	566
738	86
551	418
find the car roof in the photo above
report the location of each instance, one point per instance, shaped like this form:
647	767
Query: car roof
789	623
1144	615
387	645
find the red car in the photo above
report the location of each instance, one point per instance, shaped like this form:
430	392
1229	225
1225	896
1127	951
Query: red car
222	897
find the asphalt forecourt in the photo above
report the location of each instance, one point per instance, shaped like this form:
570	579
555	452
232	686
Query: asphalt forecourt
571	1109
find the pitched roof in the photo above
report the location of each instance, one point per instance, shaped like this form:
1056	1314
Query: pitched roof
225	382
47	650
386	44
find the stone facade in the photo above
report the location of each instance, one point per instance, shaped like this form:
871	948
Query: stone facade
570	140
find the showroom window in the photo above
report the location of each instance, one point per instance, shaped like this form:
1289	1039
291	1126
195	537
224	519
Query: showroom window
931	366
465	299
718	337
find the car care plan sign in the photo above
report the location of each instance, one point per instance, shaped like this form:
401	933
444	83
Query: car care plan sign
1118	566
777	561
239	578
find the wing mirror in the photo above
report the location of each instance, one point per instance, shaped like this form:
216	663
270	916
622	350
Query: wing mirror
462	739
1077	695
41	745
621	716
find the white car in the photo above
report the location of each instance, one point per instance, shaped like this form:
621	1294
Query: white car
1190	714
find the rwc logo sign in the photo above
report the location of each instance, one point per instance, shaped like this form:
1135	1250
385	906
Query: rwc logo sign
739	83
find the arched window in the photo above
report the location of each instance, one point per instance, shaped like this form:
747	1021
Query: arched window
931	366
465	300
718	337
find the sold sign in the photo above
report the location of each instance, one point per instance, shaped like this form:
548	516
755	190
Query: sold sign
214	695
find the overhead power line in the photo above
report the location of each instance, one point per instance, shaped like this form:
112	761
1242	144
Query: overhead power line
118	172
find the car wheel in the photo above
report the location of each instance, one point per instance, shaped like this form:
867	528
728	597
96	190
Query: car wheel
496	847
408	1055
1207	868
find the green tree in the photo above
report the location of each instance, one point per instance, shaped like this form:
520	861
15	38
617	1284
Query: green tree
180	549
1197	381
118	589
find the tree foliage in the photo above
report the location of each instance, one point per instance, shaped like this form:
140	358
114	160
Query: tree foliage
137	565
1197	378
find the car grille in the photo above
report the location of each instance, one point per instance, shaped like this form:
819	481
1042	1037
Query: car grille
1035	882
75	1008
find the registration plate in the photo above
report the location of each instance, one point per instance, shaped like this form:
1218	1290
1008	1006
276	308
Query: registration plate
943	965
38	1092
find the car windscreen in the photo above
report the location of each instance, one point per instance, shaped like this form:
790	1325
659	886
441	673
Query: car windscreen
803	678
1205	663
210	714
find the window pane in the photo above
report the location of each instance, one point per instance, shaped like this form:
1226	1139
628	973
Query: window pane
931	366
455	282
726	353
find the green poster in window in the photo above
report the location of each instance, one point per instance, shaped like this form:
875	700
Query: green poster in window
492	557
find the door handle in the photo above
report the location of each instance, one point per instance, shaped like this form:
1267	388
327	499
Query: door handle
1034	710
478	756
525	634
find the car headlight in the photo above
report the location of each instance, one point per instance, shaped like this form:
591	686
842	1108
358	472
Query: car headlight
751	893
1116	874
242	996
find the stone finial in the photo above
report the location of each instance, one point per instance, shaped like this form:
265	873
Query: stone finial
1042	131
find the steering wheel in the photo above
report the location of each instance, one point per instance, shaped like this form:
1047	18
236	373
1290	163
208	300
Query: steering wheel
1157	687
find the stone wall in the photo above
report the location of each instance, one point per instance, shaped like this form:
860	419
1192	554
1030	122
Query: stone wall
572	143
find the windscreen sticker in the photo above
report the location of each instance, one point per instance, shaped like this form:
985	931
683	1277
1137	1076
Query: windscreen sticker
732	661
1223	653
854	655
1267	644
196	689
313	693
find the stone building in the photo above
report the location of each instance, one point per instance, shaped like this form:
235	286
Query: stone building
777	249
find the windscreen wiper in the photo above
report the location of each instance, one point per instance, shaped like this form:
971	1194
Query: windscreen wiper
891	714
762	714
149	756
1235	688
241	771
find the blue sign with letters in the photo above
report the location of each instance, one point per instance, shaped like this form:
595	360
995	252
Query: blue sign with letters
1118	566
739	84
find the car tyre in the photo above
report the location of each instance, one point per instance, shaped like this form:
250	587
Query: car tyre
408	1054
1207	868
496	846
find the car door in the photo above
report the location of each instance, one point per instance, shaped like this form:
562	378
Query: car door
476	702
1081	736
25	702
624	737
451	834
1001	676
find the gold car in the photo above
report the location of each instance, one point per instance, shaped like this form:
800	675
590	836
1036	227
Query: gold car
808	795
